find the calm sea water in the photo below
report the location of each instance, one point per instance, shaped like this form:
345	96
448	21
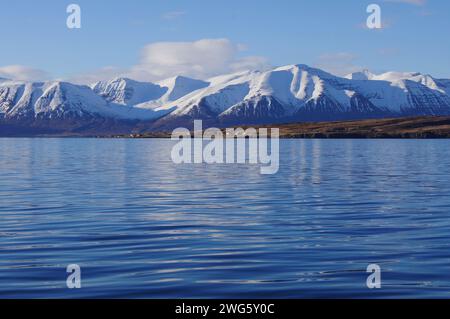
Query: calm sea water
142	227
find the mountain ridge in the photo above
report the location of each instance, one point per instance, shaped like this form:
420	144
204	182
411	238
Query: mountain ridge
291	93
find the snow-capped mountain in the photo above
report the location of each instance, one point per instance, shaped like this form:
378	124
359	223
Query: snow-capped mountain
283	94
128	92
302	93
179	86
146	95
61	100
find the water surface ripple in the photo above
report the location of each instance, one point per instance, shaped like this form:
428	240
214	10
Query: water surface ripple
142	227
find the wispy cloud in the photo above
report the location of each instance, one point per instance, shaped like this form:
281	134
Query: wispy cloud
199	59
172	15
23	73
341	63
413	2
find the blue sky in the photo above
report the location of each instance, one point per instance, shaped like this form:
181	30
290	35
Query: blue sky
124	37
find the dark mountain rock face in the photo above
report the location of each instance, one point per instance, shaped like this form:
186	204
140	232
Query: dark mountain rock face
260	110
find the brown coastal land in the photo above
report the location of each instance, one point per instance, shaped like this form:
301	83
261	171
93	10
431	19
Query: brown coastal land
416	127
410	127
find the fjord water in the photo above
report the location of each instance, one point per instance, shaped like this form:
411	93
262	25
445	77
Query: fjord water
140	226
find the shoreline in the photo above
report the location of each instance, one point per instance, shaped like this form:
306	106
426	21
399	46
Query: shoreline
393	128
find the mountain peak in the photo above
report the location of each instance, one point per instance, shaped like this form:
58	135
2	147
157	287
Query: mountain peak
179	86
294	66
125	80
127	91
183	78
296	92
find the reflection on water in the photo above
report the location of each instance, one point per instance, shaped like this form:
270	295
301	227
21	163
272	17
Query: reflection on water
141	226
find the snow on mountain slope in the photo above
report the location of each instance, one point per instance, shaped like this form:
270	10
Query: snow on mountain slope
397	78
176	88
406	93
146	95
179	86
222	93
60	100
288	93
128	92
297	86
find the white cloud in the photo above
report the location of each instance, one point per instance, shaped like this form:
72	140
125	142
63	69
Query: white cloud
199	59
340	64
23	73
414	2
249	63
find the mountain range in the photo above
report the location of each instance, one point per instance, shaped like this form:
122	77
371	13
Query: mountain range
293	93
